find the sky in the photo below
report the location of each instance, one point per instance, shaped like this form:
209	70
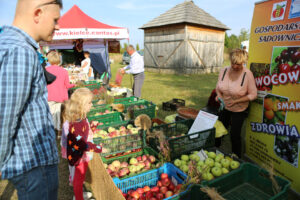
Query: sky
133	14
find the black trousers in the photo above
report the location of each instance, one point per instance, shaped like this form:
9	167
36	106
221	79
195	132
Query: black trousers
235	120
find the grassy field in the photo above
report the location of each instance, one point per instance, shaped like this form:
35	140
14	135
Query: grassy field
158	88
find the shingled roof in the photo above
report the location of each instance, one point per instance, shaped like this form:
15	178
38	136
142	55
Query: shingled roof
186	12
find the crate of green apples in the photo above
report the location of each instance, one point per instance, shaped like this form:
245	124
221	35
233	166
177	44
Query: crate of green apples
212	165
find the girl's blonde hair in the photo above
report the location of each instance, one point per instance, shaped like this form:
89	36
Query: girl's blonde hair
238	56
53	58
75	108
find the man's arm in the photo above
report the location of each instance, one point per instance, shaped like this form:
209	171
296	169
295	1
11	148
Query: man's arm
16	74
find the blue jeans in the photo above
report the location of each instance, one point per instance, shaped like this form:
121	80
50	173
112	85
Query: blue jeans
40	183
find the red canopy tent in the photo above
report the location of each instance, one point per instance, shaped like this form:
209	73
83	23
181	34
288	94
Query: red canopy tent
76	24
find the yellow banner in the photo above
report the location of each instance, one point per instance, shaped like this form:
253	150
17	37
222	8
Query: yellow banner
273	125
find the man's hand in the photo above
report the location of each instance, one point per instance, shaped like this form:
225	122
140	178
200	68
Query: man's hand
122	71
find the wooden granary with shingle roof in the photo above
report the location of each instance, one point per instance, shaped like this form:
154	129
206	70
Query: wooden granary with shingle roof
184	40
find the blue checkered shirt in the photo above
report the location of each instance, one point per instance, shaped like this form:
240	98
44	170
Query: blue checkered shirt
27	137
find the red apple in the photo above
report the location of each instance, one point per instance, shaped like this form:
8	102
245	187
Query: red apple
159	196
146	189
155	189
163	176
177	188
130	192
135	194
165	182
142	198
163	189
149	195
153	198
144	158
152	159
140	191
159	184
168	194
171	187
139	158
284	68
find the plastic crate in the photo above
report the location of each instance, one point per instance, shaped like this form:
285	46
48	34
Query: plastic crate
126	100
126	158
122	143
173	104
150	178
185	143
107	119
148	110
247	182
92	82
99	110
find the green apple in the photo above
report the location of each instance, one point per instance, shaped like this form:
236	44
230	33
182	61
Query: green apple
209	176
185	157
200	163
216	171
225	170
211	155
177	163
205	168
111	129
129	126
183	162
206	152
225	163
234	164
195	152
228	158
219	157
210	162
199	169
185	168
217	164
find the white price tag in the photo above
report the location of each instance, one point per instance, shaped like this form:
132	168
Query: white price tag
174	181
202	155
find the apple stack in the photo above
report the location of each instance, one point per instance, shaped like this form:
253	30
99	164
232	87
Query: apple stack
132	167
164	189
212	167
117	140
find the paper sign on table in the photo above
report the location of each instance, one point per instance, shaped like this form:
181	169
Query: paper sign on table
203	122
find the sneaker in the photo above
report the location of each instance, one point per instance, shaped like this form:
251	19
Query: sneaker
86	196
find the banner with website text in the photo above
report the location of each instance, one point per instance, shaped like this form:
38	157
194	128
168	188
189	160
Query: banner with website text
273	125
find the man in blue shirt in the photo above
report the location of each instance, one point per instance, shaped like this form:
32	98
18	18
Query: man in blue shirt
28	151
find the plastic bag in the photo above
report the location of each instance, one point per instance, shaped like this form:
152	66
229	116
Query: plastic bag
220	129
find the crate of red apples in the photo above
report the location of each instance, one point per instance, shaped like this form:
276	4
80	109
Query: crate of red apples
157	184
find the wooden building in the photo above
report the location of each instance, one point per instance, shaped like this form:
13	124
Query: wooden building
184	40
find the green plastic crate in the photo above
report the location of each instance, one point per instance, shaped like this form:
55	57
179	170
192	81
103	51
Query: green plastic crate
113	124
92	82
126	100
247	182
184	143
148	110
121	144
107	119
98	110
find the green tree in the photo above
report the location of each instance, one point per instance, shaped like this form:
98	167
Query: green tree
123	49
137	47
244	35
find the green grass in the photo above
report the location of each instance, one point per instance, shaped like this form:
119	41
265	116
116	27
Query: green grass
158	88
